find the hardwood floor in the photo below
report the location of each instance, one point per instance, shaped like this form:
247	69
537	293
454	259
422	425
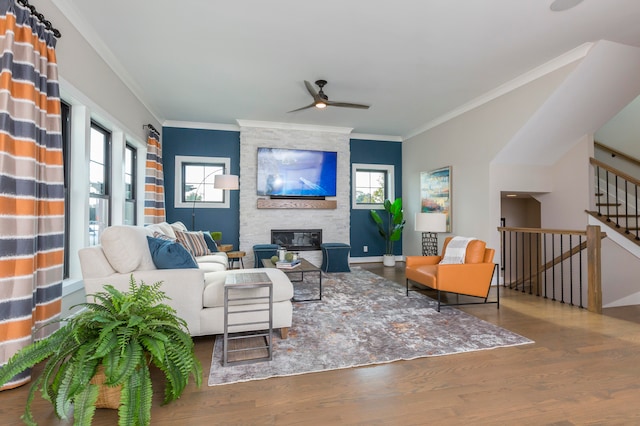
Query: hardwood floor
582	369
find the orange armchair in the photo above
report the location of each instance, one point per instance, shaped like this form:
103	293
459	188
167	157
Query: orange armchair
472	278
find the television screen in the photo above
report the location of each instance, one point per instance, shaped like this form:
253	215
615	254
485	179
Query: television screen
296	172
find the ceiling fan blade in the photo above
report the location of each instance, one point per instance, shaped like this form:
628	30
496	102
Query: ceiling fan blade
312	91
346	105
305	107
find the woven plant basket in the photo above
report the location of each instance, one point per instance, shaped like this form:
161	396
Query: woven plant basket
108	396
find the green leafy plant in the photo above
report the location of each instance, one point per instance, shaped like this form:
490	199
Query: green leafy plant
216	236
391	229
124	332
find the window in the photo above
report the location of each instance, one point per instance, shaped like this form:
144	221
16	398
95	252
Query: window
194	182
371	185
130	161
66	154
99	182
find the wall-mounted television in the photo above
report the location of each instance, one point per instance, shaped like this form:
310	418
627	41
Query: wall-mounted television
296	173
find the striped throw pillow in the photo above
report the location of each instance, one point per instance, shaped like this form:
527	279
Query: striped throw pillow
193	241
162	236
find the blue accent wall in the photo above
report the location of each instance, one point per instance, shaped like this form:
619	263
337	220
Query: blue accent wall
204	143
364	231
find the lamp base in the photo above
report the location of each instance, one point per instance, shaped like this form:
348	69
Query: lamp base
429	244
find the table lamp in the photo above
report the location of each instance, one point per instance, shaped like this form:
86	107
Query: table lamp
430	224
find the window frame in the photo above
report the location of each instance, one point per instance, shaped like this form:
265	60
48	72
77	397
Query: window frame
180	162
389	169
106	195
129	147
65	116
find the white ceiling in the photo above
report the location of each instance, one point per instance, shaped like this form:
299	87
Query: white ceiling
413	61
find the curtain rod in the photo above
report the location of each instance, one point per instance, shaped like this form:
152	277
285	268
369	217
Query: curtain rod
41	18
150	127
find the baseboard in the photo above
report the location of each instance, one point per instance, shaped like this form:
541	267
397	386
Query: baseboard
373	259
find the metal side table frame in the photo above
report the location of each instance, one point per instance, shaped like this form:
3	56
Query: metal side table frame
234	287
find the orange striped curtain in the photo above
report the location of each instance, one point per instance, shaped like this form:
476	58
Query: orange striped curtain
31	183
154	181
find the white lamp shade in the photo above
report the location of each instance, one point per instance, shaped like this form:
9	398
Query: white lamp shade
226	182
431	222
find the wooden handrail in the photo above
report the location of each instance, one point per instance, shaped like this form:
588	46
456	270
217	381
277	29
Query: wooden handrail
617	153
547	231
622	174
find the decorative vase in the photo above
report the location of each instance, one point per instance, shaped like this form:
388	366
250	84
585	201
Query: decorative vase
389	260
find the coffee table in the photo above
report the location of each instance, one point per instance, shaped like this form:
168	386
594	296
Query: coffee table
305	267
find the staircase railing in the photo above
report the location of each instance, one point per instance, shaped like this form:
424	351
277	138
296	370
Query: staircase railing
552	263
617	198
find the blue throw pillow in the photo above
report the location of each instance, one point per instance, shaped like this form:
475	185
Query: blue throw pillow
213	247
170	254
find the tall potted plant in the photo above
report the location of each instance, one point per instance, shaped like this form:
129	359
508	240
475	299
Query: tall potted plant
118	338
391	229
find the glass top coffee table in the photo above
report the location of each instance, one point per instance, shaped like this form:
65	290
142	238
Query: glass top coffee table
305	267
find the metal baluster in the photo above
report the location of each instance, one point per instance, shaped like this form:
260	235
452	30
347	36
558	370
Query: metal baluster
617	204
571	270
510	259
561	272
546	271
530	270
580	257
637	224
537	265
599	192
626	207
515	255
553	267
524	285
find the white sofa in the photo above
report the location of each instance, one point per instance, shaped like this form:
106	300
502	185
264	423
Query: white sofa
196	294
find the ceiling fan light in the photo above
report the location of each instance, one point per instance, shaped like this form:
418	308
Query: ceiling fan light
562	5
321	105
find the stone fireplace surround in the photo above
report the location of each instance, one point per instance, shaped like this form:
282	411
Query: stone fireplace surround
256	223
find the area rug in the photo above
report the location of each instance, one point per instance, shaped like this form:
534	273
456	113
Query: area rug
364	319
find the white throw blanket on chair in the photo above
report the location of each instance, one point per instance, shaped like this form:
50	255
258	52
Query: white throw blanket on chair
456	250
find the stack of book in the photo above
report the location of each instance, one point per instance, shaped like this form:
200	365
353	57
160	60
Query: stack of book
282	264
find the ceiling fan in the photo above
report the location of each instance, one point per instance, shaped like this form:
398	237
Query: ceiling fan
320	100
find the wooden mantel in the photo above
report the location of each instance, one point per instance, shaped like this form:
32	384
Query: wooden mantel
268	203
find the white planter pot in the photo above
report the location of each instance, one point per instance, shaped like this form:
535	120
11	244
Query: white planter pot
389	260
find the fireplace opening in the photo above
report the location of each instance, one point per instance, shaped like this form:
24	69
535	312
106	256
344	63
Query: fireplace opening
297	239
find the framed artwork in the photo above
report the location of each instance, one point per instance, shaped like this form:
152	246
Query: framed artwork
435	192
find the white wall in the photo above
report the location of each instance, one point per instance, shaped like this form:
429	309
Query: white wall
622	132
84	73
469	143
564	207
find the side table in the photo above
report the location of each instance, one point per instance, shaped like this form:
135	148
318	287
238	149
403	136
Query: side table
235	256
225	247
237	296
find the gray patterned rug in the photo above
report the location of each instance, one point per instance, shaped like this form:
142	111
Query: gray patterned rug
364	319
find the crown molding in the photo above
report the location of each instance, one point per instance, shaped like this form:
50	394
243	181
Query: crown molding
201	126
293	126
565	59
382	138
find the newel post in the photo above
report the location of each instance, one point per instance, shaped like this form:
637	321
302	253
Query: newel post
594	269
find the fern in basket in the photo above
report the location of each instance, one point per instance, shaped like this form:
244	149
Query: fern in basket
123	333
